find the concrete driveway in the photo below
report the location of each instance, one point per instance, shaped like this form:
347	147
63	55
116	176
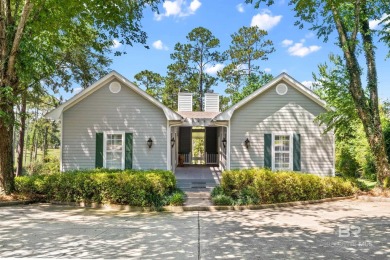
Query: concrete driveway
346	229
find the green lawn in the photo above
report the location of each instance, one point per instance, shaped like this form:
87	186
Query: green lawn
51	152
370	184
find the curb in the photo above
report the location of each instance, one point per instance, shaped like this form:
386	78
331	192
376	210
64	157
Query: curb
251	207
373	199
177	209
15	203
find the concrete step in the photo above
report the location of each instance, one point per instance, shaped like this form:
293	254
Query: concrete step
195	184
197	202
198	194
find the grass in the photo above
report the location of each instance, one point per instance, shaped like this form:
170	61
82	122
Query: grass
370	184
27	162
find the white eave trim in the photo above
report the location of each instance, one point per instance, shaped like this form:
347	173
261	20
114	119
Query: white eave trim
56	113
284	76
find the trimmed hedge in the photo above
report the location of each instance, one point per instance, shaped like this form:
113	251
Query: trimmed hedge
262	186
131	187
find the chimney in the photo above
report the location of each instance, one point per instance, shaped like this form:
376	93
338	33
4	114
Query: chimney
184	102
211	103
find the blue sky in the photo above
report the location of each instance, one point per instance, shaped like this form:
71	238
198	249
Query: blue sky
298	51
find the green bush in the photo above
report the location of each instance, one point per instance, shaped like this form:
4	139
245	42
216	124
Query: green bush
222	200
262	186
386	182
136	188
50	165
177	198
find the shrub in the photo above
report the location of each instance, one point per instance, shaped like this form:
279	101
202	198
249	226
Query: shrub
177	198
136	188
216	191
262	186
222	200
50	165
386	182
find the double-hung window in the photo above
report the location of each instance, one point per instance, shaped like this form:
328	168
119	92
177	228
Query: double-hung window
282	152
114	150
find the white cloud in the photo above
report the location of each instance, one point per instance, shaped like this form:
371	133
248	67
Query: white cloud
287	42
212	70
240	8
195	4
116	44
77	90
308	83
265	20
298	48
374	24
268	70
159	45
178	8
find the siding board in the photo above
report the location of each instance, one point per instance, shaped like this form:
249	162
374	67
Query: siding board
104	111
270	112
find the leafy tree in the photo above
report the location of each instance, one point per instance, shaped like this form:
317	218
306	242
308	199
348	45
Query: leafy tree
331	84
248	45
191	60
152	82
32	35
350	20
254	82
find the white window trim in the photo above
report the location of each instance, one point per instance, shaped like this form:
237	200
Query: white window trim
105	147
290	134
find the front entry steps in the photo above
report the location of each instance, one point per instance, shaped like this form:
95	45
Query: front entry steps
197	191
197	197
185	184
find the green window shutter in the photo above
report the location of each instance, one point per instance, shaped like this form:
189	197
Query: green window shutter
99	150
268	151
128	150
296	152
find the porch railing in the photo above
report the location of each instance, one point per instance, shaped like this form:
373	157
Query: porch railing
187	158
211	158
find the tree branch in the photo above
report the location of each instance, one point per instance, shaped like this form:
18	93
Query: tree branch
18	37
356	27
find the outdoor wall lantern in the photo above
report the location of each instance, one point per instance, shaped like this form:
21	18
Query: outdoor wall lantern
224	142
247	142
149	142
173	142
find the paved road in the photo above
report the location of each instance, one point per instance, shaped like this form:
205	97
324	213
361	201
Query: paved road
303	232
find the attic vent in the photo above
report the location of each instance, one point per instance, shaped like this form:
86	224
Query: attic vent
115	87
281	89
211	103
184	102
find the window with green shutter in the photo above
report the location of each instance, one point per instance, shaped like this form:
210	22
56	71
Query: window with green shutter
282	151
114	150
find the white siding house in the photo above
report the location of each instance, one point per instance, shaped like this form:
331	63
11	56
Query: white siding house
112	123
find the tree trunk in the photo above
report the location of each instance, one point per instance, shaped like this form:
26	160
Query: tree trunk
44	148
367	108
375	134
32	144
6	160
19	169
